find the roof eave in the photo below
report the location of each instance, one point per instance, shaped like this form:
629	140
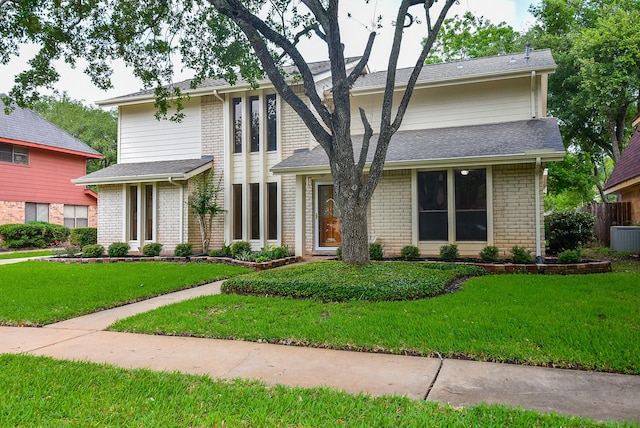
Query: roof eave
52	148
470	161
149	178
620	186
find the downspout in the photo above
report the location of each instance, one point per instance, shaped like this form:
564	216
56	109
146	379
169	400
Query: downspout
181	187
539	258
534	106
215	94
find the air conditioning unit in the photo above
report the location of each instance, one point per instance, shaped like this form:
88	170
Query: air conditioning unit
625	238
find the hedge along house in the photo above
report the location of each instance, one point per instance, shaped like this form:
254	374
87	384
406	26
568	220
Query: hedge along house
466	167
38	160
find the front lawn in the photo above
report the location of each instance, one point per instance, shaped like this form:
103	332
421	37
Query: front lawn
39	391
36	293
24	254
583	321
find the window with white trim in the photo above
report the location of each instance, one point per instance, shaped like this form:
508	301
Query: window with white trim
36	212
76	216
14	154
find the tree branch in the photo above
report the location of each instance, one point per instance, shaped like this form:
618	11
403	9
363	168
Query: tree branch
357	71
366	139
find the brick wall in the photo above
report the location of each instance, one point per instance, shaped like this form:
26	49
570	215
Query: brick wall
633	195
111	215
391	212
168	216
11	212
514	207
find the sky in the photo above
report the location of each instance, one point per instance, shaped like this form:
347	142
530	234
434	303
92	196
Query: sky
79	86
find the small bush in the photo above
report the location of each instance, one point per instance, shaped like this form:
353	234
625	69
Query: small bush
339	253
521	255
409	252
93	250
240	247
152	249
67	250
375	251
33	235
489	253
449	252
118	249
82	236
183	250
570	256
569	230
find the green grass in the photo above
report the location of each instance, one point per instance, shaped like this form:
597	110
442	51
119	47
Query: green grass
24	254
36	293
581	321
39	391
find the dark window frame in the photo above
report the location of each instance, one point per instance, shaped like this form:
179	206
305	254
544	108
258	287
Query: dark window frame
272	211
254	117
271	113
238	107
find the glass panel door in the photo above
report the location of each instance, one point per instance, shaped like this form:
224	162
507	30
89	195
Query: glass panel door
329	222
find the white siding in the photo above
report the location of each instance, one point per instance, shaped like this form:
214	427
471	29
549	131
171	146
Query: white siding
470	104
143	138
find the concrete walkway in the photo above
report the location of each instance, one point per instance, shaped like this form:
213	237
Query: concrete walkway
600	396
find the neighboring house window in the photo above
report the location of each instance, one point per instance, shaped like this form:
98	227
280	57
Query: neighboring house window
237	125
36	212
14	154
76	216
272	211
471	205
254	112
141	212
237	211
254	196
432	206
272	124
469	194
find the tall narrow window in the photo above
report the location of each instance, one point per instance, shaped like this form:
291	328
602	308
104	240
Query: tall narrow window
237	125
237	211
272	211
148	212
432	206
36	212
272	125
254	107
254	195
133	213
471	205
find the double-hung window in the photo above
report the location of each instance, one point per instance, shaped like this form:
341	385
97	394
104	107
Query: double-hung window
76	216
36	212
14	154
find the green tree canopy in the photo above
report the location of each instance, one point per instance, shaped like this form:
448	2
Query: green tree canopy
93	126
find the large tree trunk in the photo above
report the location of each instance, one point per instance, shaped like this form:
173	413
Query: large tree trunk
355	230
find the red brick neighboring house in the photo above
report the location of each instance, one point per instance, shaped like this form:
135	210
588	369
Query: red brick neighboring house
625	178
37	162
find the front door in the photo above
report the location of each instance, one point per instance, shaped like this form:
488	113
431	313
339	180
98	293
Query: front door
328	215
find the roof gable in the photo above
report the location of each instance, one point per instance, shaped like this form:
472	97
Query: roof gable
628	166
26	126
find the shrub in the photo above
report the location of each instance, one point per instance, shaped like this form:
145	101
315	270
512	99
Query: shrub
183	250
339	253
569	230
521	255
118	249
489	253
93	250
152	249
570	256
375	251
240	247
449	252
33	235
67	250
409	252
82	236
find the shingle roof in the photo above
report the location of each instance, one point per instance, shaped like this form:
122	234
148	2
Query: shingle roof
487	66
628	166
454	143
28	126
147	171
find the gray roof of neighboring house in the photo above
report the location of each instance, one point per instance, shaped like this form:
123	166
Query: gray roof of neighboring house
147	171
508	139
28	126
493	65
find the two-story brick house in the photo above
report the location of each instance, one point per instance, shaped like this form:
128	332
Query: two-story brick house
38	160
466	166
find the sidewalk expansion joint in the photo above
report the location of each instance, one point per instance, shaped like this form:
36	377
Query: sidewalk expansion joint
85	333
435	378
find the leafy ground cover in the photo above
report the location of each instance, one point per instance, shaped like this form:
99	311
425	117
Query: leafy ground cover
582	321
24	254
36	293
337	281
44	392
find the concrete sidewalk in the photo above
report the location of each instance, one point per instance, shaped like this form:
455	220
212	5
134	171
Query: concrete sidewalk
600	396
